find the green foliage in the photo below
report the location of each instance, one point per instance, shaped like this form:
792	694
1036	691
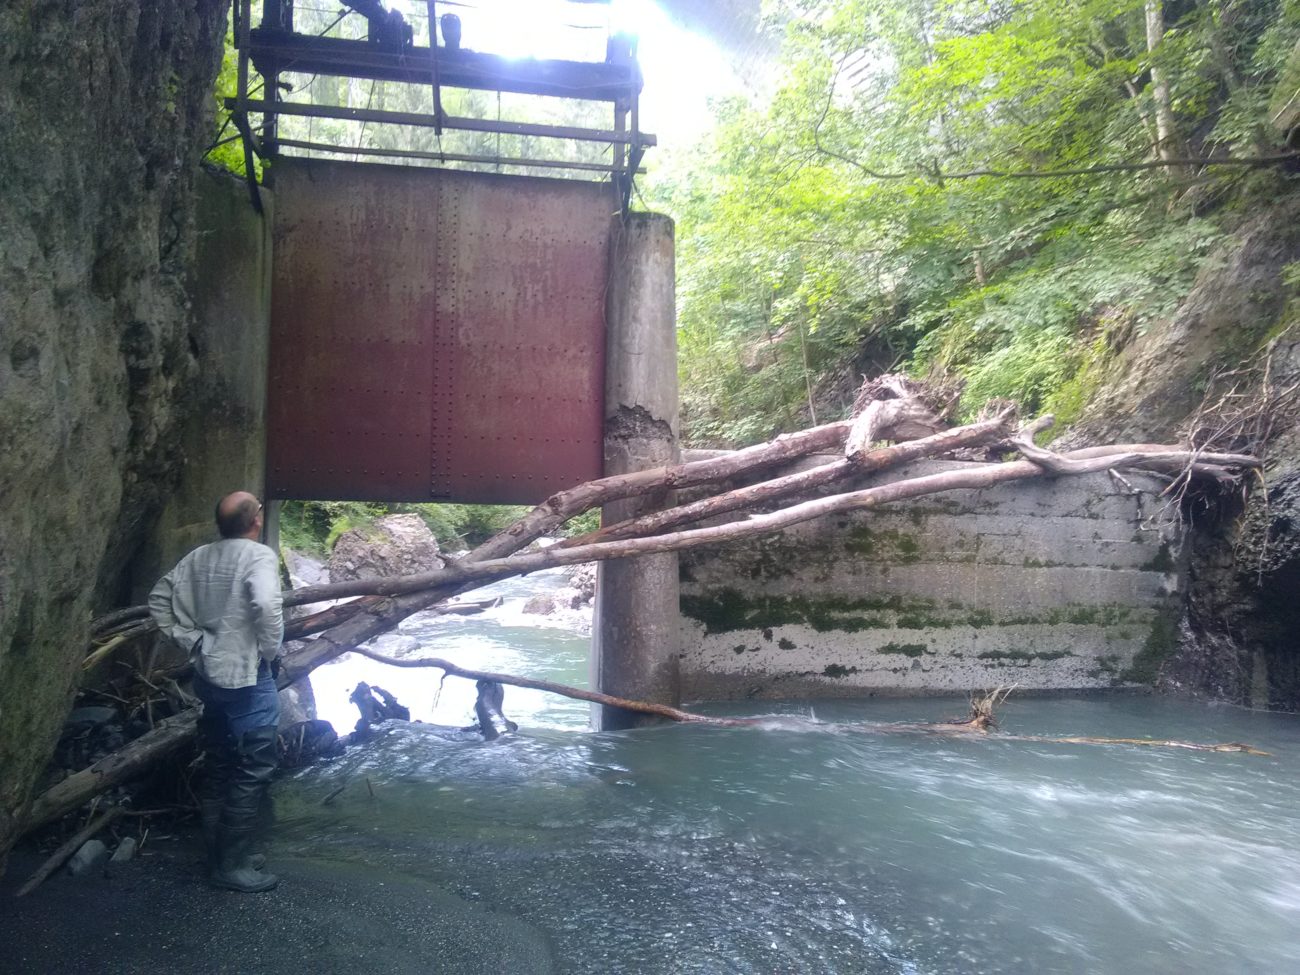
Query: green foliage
227	151
313	527
830	233
458	526
586	522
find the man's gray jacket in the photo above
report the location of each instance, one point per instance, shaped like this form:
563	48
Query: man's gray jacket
222	603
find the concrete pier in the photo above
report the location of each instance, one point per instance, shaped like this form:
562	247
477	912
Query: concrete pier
636	632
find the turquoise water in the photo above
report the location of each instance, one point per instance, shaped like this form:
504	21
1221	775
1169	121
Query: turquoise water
814	846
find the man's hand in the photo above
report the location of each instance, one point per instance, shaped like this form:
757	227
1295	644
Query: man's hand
275	667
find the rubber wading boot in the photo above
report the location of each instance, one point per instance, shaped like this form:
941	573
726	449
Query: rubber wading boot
235	869
219	759
249	779
210	820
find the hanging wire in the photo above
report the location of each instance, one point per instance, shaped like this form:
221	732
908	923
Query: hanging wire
362	134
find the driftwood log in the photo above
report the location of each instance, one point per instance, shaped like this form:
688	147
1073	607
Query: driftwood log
389	601
803	482
978	476
122	765
981	720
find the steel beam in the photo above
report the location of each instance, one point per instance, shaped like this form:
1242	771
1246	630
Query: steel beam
595	81
453	157
448	121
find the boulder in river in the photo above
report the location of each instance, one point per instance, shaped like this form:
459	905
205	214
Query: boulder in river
304	570
543	604
582	577
297	703
391	545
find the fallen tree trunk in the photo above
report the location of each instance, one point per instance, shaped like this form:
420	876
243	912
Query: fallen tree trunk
560	507
883	458
979	476
981	720
124	764
578	693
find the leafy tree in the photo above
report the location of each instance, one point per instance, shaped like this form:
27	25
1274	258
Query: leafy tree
994	190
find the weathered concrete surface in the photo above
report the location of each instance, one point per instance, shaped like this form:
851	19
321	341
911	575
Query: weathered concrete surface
635	627
1049	584
222	443
105	109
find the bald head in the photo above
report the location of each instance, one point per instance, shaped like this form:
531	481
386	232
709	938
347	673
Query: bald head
239	515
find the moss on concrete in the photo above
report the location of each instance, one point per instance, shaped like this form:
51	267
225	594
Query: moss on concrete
889	544
728	610
838	670
923	621
1161	644
1107	668
1027	656
1162	561
906	649
1040	563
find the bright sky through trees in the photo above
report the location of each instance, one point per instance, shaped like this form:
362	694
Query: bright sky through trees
682	70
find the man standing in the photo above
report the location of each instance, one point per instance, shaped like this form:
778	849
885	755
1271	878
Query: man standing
222	603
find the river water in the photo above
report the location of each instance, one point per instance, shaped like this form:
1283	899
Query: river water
811	845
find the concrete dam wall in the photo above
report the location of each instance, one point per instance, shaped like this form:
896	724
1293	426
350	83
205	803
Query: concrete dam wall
1060	584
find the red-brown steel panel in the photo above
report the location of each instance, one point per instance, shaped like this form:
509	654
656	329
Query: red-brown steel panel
435	334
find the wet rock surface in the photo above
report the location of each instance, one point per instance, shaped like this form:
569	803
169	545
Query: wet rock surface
324	917
541	605
582	577
577	594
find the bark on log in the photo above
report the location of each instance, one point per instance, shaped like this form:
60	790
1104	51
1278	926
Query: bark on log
327	618
980	476
880	459
562	506
890	419
123	764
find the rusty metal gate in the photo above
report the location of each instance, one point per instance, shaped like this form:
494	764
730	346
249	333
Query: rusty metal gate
435	335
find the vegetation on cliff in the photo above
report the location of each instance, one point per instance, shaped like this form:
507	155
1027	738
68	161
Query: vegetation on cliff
1007	193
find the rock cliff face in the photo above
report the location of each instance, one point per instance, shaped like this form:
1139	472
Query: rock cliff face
1238	635
106	108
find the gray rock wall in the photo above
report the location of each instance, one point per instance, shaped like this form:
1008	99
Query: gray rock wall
1237	640
1062	584
106	107
220	445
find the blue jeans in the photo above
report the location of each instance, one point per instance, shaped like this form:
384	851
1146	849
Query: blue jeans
234	711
